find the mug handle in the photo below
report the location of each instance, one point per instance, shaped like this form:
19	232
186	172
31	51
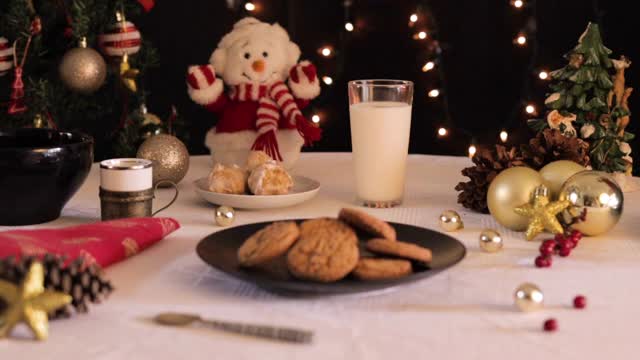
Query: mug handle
175	197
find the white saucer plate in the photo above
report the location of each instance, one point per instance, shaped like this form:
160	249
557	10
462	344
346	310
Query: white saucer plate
303	189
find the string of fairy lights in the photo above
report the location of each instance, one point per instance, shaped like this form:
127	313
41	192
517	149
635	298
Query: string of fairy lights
423	27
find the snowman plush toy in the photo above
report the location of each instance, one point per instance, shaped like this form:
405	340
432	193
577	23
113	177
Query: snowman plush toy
266	90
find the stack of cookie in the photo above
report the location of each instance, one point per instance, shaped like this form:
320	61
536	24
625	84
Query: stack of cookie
261	176
327	250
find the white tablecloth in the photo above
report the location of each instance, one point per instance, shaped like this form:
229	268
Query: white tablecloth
463	313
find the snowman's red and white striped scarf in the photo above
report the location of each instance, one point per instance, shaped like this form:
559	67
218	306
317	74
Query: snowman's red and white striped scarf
274	98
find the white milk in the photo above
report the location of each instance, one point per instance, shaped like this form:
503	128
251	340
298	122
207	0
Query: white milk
380	142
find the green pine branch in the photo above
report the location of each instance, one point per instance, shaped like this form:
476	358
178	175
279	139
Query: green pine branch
99	114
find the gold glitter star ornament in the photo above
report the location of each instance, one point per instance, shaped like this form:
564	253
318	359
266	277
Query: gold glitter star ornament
29	302
542	213
128	74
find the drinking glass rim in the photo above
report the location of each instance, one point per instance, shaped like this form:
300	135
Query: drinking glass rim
381	82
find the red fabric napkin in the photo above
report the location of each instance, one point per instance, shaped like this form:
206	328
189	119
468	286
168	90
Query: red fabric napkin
103	243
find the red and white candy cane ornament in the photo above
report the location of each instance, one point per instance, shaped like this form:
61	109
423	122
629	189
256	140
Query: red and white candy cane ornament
120	38
6	56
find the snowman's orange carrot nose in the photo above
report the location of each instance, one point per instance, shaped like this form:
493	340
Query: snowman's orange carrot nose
258	66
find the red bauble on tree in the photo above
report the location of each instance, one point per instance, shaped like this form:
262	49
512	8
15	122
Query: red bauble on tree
6	56
147	4
122	37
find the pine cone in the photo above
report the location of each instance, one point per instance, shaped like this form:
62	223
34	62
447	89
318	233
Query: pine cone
488	164
84	283
550	145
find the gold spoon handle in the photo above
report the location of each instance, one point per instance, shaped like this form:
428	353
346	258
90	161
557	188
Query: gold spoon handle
263	331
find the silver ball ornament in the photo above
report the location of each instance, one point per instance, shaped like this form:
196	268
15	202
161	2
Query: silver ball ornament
169	155
490	241
598	196
528	297
83	70
225	215
450	221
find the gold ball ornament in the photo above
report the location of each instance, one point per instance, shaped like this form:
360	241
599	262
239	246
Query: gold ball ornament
490	241
512	188
599	195
30	303
169	155
450	221
225	215
528	297
83	69
556	173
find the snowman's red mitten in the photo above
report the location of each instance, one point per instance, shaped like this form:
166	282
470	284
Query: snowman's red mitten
303	81
203	87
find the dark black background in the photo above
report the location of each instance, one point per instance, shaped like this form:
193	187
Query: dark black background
484	70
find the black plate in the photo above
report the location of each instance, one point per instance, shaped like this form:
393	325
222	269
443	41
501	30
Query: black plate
219	250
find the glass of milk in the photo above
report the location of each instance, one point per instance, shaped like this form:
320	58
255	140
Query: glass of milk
380	112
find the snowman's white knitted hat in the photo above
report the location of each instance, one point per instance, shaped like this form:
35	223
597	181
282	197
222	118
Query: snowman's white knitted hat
246	28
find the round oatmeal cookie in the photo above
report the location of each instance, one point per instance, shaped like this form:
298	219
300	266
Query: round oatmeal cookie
327	225
327	251
367	223
268	243
400	249
380	269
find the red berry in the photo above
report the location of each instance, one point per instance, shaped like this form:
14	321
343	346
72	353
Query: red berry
543	261
566	245
547	247
564	252
579	302
551	325
559	237
576	236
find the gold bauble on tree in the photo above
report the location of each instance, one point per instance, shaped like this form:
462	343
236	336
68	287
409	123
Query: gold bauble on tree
512	188
556	173
169	155
83	69
598	196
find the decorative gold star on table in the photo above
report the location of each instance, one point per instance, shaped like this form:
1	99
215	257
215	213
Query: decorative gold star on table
30	303
542	213
127	74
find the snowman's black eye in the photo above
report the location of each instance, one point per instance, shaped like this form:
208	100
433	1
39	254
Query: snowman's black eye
265	54
247	55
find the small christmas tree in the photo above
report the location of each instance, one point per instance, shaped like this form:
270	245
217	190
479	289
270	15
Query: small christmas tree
78	65
583	94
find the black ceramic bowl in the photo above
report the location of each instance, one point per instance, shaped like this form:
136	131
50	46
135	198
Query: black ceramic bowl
40	169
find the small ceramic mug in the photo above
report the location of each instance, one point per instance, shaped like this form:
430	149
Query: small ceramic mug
126	189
